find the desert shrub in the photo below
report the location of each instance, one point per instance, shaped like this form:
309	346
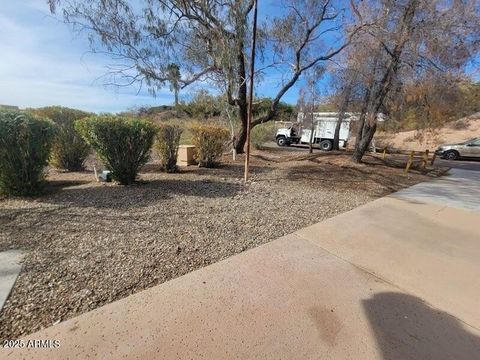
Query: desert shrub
25	142
122	143
461	124
168	140
69	150
202	105
410	138
262	133
209	141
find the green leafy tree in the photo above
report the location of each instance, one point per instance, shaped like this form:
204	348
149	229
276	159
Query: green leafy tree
211	40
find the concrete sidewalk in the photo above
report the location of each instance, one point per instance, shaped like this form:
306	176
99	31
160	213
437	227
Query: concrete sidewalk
398	278
10	266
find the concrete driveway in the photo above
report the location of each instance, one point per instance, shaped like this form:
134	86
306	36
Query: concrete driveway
398	278
10	266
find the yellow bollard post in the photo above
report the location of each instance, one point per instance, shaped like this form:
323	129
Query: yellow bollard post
384	152
410	161
425	159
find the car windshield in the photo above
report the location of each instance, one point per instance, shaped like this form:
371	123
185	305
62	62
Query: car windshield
469	141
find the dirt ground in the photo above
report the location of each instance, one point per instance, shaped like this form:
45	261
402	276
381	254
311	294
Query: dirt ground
88	244
454	132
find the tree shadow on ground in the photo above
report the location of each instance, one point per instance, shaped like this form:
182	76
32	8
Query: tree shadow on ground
344	177
222	170
233	170
405	327
141	194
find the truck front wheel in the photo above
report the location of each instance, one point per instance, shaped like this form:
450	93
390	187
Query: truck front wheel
281	141
326	145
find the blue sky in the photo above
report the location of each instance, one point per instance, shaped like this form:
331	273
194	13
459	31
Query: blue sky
44	63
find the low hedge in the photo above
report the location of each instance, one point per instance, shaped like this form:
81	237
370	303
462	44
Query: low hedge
168	140
25	142
69	149
209	141
122	143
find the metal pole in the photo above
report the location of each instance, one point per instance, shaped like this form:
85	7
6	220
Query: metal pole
250	94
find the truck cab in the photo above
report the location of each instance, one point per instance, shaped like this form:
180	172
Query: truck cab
286	136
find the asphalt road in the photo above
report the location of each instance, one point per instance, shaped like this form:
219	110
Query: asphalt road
470	164
465	164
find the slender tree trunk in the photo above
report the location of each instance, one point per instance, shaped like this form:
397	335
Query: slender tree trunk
336	134
357	154
312	128
176	98
241	137
369	129
341	116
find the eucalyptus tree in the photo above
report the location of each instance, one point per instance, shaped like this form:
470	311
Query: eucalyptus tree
309	97
209	40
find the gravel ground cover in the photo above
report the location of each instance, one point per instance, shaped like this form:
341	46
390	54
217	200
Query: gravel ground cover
92	243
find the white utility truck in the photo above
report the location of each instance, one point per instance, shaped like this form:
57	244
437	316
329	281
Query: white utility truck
323	130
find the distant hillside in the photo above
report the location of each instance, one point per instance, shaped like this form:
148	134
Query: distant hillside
453	132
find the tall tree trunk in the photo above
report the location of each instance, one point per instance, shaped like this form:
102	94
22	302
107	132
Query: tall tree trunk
312	130
336	134
368	130
312	127
176	97
341	116
241	137
357	153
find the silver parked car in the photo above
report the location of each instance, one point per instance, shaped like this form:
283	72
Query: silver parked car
470	148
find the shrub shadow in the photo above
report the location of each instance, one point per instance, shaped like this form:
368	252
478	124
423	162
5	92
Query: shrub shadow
225	170
141	194
342	177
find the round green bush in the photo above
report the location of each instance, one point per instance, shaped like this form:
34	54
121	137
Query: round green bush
25	142
122	143
69	150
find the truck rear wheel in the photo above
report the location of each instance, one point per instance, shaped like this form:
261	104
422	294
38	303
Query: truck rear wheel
281	141
326	145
